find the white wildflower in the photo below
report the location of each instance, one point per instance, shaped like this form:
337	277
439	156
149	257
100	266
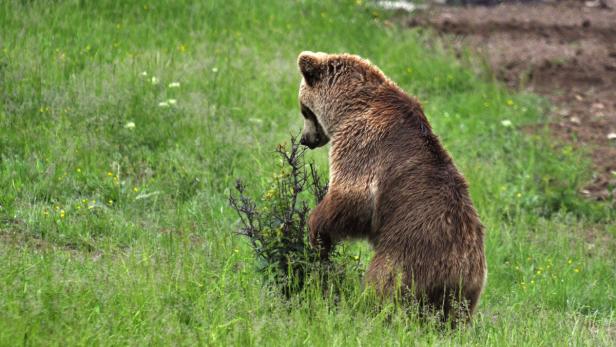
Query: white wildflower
214	69
506	123
174	85
129	125
163	104
611	136
144	73
154	80
172	101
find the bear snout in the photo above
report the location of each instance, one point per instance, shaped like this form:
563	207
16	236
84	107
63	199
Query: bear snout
310	143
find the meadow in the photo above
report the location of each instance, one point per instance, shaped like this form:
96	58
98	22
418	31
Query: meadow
124	125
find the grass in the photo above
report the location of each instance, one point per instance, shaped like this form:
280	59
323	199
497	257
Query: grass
112	234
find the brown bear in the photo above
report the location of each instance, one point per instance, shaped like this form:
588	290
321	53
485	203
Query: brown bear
393	183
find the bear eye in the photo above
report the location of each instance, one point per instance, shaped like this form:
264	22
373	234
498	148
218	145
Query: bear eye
307	112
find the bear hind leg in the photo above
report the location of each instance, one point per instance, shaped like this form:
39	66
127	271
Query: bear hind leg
452	305
384	276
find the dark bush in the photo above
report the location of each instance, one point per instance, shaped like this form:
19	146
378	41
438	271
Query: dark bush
277	225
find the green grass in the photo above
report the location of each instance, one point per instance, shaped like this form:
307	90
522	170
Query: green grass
112	235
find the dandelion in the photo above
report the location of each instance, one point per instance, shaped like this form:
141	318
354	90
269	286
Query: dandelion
214	69
509	102
129	125
174	85
135	189
356	257
172	101
269	194
109	173
61	213
506	123
576	270
163	104
154	80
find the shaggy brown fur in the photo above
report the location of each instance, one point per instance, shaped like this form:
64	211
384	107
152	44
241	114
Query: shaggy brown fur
392	183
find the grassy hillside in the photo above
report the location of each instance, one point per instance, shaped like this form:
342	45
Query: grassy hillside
123	126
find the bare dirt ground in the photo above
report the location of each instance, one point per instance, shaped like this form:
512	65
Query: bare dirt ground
563	50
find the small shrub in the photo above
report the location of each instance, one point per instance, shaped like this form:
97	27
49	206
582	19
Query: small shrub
277	226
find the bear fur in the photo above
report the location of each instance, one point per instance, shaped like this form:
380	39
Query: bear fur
392	183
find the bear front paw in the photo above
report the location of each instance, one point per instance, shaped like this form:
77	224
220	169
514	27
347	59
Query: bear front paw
320	242
313	233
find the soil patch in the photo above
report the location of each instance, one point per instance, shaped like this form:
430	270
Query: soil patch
563	50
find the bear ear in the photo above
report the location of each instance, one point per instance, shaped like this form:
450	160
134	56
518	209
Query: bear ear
311	66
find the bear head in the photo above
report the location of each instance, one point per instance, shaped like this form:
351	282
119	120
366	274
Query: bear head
332	87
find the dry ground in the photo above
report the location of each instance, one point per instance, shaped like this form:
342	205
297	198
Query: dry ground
563	50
